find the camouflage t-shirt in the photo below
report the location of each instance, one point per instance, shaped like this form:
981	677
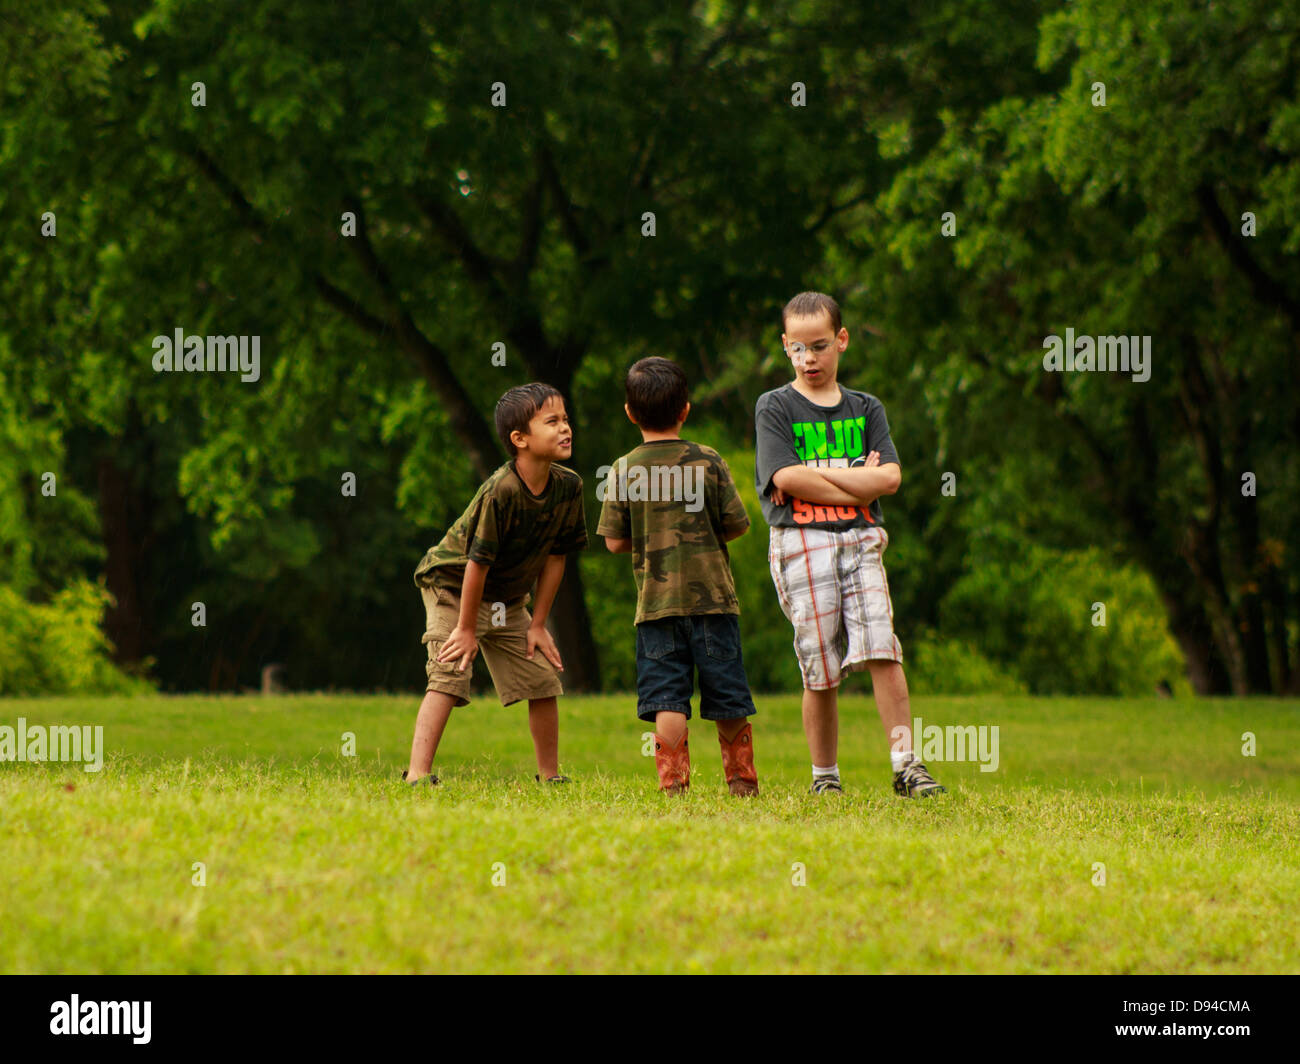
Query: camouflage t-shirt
512	531
675	500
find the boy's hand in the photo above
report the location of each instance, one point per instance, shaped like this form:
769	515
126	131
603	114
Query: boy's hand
777	496
460	644
538	638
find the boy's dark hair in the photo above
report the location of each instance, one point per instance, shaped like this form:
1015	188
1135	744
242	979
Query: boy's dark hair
809	305
656	393
518	407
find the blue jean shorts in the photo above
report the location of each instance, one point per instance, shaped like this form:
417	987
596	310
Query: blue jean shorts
669	651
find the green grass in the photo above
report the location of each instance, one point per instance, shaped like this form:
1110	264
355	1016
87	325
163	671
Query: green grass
317	862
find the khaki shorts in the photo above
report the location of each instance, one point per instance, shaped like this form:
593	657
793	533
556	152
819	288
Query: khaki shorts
503	646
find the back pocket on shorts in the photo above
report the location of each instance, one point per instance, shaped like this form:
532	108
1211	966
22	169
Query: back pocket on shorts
721	636
655	639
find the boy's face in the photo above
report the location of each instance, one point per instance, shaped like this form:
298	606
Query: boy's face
549	436
814	347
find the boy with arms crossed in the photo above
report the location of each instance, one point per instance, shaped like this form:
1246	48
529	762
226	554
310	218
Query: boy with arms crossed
516	532
824	458
672	504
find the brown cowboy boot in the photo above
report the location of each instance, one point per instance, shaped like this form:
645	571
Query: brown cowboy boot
674	765
738	762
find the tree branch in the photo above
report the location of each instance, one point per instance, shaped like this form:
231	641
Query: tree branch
429	359
1266	288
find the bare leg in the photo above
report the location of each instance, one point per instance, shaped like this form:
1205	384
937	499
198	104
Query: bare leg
729	729
821	724
544	723
892	702
434	712
671	726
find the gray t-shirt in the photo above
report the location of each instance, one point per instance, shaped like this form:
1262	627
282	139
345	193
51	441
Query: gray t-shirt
793	430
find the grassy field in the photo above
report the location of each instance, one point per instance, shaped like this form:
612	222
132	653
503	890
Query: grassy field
319	862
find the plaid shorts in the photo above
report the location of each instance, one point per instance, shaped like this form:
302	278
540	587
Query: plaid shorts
832	586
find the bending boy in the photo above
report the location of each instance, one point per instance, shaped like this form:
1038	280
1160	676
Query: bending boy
516	532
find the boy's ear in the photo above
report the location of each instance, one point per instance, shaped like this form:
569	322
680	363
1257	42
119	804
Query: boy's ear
628	411
686	412
519	439
843	337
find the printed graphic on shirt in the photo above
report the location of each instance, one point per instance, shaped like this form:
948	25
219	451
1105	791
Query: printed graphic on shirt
792	430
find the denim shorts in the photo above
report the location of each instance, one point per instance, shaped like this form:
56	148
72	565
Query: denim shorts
670	650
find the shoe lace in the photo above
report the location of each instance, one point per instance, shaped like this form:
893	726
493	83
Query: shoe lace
915	772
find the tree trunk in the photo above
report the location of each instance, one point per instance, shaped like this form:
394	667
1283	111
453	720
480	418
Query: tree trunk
1191	628
124	622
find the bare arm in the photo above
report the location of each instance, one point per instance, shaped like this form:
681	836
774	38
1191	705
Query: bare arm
866	483
808	483
618	546
537	637
548	583
461	643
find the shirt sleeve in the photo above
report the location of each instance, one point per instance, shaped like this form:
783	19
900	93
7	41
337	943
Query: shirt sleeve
615	514
486	531
729	512
878	438
573	533
774	445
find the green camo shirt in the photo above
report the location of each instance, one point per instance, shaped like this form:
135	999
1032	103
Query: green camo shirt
675	500
512	531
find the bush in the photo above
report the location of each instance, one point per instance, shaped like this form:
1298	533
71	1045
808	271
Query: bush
1034	616
59	648
952	667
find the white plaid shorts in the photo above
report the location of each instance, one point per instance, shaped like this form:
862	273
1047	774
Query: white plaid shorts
832	586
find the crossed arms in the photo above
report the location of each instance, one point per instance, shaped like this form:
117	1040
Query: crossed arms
859	486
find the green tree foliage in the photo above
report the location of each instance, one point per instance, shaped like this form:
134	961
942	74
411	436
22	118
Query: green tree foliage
524	224
1121	220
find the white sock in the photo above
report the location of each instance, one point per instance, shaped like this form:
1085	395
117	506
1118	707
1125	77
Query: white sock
899	758
822	773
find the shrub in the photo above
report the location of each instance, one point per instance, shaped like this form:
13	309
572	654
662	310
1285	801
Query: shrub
59	648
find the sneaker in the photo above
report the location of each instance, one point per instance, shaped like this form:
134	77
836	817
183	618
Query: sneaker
914	781
552	779
825	784
430	779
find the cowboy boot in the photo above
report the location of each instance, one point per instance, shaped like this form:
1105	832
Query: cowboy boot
674	765
738	762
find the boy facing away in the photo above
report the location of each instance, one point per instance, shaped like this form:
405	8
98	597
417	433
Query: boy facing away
824	458
672	504
517	530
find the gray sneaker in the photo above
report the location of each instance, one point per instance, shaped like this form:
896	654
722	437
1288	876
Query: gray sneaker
826	785
914	781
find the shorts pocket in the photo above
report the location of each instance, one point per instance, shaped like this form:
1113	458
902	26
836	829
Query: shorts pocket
655	641
721	638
